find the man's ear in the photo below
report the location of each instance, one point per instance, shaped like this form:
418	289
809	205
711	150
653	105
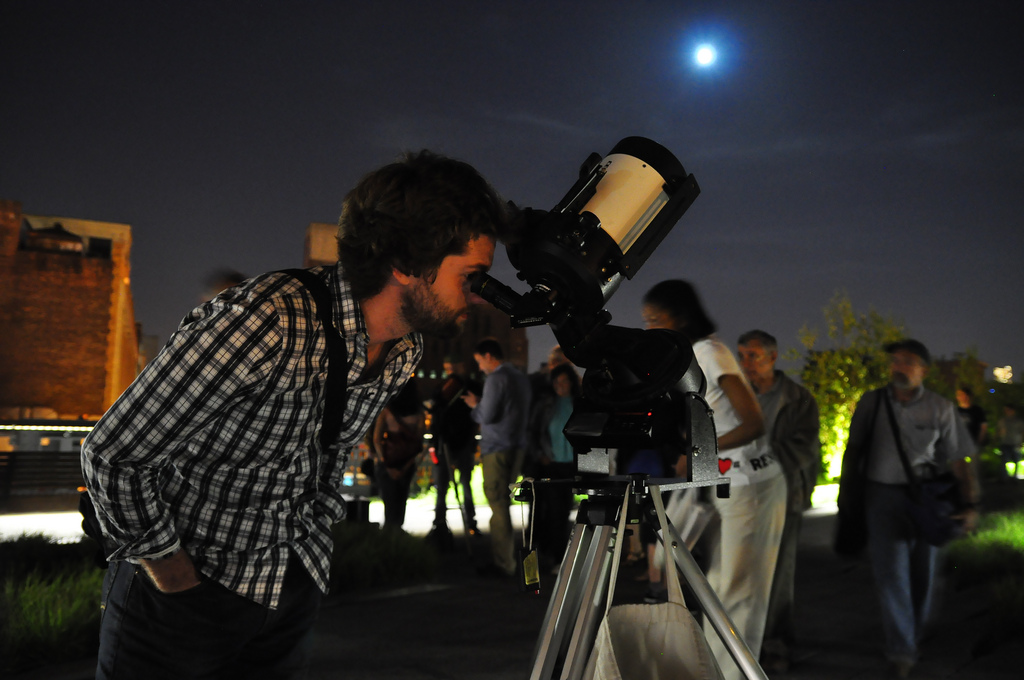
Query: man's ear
401	277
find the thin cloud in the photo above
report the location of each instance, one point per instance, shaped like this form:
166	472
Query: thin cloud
547	124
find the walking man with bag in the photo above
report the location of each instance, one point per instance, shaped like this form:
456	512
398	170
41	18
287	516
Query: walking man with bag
217	475
901	437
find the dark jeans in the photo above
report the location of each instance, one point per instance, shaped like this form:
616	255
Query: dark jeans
394	493
905	567
462	460
204	632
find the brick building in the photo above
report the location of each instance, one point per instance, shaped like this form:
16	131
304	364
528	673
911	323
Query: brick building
69	344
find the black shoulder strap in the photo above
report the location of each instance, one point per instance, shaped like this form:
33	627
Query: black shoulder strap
337	358
879	396
899	446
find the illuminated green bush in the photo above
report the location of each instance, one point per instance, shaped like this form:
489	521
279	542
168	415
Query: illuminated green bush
852	363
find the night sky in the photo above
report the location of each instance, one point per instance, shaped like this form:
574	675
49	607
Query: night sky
876	148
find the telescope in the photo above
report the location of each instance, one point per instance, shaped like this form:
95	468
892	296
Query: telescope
640	389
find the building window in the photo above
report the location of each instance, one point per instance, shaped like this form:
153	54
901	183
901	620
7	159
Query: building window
99	247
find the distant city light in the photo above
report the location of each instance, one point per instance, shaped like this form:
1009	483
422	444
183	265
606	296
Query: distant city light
45	428
705	55
1003	374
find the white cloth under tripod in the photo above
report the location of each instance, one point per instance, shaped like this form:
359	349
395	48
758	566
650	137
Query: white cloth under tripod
649	641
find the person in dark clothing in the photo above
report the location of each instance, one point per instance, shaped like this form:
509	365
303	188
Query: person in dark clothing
975	420
972	415
397	441
454	447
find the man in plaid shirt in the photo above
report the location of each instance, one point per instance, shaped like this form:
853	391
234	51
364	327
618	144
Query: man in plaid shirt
211	486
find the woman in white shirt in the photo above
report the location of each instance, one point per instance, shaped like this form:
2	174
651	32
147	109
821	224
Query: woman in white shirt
742	545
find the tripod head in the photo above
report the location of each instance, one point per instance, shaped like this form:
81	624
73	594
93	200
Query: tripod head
641	388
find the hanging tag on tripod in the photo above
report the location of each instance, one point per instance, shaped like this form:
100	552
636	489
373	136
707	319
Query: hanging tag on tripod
529	570
527	566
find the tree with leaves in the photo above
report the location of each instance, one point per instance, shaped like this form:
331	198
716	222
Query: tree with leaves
841	366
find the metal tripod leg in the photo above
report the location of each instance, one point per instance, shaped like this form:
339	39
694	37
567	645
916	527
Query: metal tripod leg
576	606
444	458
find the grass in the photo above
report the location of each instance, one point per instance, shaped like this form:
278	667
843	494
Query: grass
50	592
366	556
49	601
994	550
49	619
41	555
993	555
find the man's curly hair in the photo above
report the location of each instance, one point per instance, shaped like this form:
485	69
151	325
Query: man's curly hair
410	215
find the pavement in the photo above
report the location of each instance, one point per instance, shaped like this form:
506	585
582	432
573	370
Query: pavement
470	627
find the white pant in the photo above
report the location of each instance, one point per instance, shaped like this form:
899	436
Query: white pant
743	544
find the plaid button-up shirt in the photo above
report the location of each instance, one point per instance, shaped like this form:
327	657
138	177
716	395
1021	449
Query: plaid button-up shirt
215	448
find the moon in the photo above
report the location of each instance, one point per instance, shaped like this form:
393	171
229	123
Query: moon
705	55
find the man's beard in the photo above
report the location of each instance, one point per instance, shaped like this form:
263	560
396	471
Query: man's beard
424	312
901	381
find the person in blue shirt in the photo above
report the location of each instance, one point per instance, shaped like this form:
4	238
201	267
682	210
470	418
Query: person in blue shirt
555	462
502	411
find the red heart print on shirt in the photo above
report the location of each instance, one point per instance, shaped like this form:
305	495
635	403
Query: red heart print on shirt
724	465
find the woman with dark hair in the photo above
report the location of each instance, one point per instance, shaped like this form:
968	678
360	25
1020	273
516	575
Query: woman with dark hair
674	305
554	461
742	545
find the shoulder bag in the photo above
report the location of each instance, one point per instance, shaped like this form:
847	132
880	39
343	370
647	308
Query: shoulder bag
931	503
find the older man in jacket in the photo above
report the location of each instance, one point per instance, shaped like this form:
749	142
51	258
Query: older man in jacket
791	430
